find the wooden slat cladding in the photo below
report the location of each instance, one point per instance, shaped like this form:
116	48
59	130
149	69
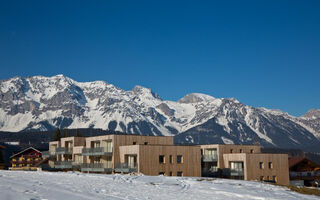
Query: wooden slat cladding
121	140
148	159
231	148
265	166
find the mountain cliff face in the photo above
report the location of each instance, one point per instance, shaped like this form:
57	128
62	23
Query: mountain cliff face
44	103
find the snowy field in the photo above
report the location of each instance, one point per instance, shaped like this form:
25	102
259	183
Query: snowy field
17	185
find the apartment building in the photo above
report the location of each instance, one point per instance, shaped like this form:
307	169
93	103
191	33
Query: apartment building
167	160
156	155
244	162
102	154
65	154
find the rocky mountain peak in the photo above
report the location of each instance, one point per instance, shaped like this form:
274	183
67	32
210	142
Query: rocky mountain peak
312	114
196	98
146	92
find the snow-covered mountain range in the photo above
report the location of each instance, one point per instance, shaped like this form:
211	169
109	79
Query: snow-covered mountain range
44	103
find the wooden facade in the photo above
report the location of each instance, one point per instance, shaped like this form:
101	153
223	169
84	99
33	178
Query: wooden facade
167	160
244	162
98	156
154	155
261	167
229	148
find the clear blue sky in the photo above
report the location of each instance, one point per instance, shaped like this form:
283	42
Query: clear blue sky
264	53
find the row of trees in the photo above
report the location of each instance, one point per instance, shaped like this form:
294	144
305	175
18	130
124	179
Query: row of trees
64	134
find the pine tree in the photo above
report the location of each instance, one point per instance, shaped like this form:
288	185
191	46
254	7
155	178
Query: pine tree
78	134
57	136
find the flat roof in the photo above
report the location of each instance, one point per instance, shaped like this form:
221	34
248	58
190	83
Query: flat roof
171	145
230	144
255	153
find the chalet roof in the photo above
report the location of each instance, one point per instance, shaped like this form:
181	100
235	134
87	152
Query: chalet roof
295	160
24	151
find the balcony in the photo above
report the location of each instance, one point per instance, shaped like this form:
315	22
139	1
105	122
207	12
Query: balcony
63	164
96	167
236	172
63	150
209	158
47	154
125	168
98	151
25	162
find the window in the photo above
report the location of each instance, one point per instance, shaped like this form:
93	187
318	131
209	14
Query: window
161	173
231	150
179	173
270	165
251	151
161	159
96	160
275	178
236	166
240	150
171	159
134	143
132	161
213	169
261	165
179	159
145	143
170	174
210	154
108	145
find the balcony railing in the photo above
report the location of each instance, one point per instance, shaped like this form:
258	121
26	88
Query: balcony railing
30	156
25	161
209	158
47	154
64	150
125	168
63	164
236	172
96	167
97	151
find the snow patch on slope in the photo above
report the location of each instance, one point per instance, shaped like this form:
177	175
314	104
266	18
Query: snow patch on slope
82	186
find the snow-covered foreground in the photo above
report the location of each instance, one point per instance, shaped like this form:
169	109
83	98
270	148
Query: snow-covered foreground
65	186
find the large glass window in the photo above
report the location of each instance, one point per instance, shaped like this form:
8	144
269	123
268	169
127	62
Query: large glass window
95	144
211	153
108	162
78	158
132	160
108	145
236	166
